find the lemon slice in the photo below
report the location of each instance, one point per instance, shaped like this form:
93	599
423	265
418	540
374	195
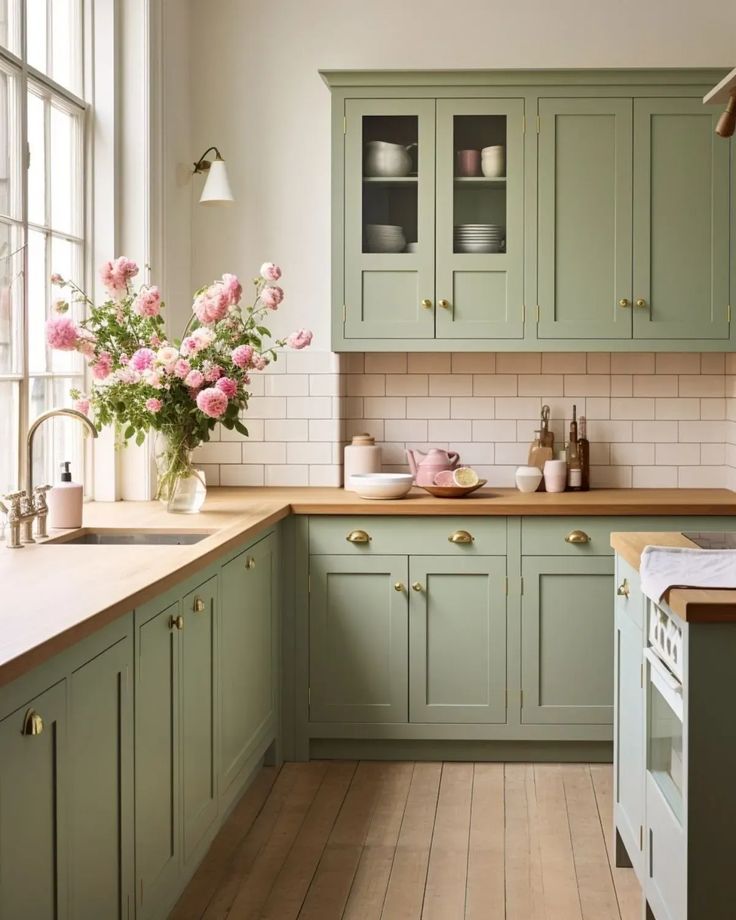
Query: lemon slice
464	476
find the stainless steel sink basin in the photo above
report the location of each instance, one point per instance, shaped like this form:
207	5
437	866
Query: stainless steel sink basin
98	537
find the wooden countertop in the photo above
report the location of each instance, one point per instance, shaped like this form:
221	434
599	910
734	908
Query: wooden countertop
695	605
55	595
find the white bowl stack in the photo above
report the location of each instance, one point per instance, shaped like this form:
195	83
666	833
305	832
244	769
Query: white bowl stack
385	238
479	237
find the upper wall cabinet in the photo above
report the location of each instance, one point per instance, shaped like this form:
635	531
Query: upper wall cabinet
546	211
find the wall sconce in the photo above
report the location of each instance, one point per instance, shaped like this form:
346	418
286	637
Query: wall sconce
217	185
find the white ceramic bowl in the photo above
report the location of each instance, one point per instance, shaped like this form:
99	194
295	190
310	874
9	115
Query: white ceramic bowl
528	478
382	485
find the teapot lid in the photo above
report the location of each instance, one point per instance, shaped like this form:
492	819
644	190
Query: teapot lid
363	440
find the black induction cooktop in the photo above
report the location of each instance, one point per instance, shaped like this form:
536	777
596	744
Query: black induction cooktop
713	540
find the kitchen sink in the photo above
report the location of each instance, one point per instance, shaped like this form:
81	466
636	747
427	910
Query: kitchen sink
95	537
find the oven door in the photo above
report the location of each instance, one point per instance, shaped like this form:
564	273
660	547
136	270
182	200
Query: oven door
664	732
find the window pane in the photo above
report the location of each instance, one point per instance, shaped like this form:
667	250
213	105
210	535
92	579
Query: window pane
66	64
10	158
65	179
9	400
37	168
11	297
38	275
66	259
36	34
58	439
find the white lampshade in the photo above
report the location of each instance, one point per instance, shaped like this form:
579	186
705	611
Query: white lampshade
217	186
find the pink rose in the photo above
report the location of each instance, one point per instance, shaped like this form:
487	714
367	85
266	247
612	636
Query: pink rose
188	346
242	356
227	386
142	359
127	375
270	272
116	275
148	302
299	339
82	405
212	372
272	297
233	288
203	338
260	362
212	305
154	405
62	333
167	355
102	367
182	368
194	380
86	347
57	280
212	402
152	378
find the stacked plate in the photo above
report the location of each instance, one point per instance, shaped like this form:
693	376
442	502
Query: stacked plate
479	238
385	238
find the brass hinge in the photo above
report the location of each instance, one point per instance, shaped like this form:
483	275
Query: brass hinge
728	310
344	125
344	313
506	588
538	124
521	698
141	891
309	697
309	584
538	312
641	676
523	313
523	124
521	585
641	837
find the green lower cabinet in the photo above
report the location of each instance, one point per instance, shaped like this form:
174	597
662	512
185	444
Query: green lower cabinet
248	656
567	640
198	776
457	639
33	858
358	639
100	783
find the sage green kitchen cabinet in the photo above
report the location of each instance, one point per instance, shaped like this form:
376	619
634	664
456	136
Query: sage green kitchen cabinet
100	784
457	639
358	639
197	664
33	854
584	218
248	657
681	222
567	640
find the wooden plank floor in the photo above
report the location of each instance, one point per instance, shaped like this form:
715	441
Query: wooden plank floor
404	841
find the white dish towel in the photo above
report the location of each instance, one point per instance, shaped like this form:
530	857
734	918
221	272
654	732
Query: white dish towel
664	567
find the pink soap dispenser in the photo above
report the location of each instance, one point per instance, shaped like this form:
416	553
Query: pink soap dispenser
65	501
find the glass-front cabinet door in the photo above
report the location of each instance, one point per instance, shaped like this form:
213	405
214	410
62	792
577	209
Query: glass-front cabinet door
479	214
389	218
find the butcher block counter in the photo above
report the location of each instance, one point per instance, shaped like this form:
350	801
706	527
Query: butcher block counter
56	595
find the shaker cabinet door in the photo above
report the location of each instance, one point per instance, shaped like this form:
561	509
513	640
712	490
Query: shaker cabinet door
457	639
389	206
480	219
567	640
584	218
358	639
681	221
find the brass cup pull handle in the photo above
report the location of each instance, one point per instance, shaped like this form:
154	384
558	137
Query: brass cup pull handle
577	537
461	537
427	303
623	589
624	302
358	536
399	587
32	723
641	302
250	562
445	304
176	622
198	605
416	586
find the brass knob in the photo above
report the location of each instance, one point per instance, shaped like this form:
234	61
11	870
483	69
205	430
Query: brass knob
32	723
198	605
641	302
176	622
577	537
358	536
416	586
461	537
624	302
623	589
250	562
445	304
427	303
399	587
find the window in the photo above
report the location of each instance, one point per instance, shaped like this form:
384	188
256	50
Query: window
42	224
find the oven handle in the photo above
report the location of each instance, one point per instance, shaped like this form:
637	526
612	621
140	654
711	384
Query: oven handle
668	685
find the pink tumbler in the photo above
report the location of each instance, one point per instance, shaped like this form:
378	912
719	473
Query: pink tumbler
468	162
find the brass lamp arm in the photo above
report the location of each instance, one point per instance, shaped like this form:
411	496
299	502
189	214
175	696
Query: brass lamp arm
202	165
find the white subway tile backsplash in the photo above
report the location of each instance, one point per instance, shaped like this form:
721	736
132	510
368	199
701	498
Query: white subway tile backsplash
309	406
218	452
655	385
677	408
473	363
325	475
713	362
471	407
599	362
678	454
265	407
384	407
406	429
450	430
407	385
494	430
286	384
518	407
366	385
287	430
386	363
632	408
521	363
702	385
632	363
265	452
587	385
655	431
654	477
428	407
495	385
309	452
450	385
430	363
312	362
561	362
680	363
534	384
251	475
293	475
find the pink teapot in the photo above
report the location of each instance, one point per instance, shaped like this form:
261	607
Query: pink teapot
424	467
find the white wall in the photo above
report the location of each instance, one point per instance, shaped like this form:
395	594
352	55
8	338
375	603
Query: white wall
256	93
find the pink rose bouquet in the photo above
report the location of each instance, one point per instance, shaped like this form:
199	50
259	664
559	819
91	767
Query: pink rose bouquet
142	380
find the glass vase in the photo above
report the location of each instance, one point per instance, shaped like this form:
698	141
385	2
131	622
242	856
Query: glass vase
181	487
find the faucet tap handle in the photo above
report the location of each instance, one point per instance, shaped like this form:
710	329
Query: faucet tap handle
39	495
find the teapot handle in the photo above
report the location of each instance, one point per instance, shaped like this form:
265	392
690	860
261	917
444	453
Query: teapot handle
454	457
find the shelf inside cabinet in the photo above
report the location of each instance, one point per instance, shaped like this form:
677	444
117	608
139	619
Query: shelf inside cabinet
393	181
481	181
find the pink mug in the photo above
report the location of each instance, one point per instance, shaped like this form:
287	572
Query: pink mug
468	162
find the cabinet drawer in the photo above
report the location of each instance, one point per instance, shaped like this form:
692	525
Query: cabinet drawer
415	536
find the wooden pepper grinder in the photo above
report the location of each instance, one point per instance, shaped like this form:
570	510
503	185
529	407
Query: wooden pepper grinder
542	449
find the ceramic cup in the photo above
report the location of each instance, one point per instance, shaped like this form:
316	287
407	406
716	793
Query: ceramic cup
493	161
468	162
555	475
